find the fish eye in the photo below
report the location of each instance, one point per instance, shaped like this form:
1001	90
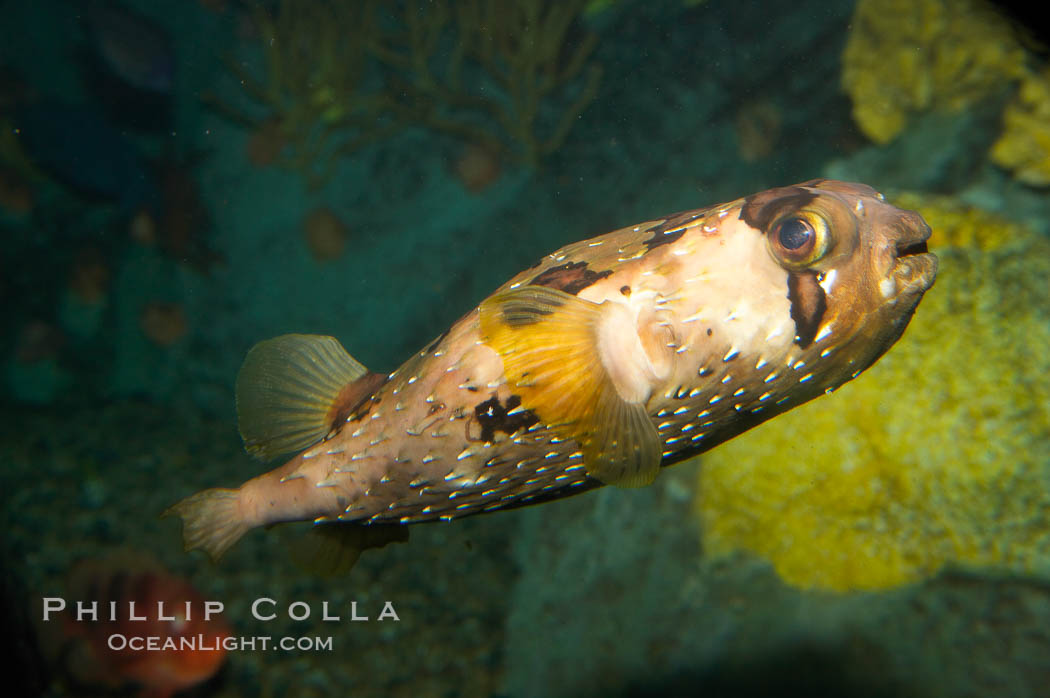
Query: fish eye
800	239
794	233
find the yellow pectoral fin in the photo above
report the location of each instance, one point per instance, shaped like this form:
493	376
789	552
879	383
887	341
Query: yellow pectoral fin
579	367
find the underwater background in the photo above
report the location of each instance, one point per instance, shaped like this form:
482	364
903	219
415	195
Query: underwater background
180	180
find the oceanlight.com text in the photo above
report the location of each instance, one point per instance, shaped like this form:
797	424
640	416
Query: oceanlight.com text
201	643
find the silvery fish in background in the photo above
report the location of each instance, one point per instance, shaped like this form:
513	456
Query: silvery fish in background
606	360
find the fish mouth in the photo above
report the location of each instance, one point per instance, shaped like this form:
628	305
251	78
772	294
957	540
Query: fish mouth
911	248
915	267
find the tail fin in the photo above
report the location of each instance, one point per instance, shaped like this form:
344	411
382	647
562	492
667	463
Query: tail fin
211	520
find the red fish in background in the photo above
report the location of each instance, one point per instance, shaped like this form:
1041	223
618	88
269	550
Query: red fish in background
87	655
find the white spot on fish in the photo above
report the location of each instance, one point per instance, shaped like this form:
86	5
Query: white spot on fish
888	287
828	282
694	317
824	332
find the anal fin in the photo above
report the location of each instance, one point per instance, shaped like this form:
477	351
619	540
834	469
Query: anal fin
332	549
581	368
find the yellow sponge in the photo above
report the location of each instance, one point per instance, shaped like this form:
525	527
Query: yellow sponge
908	56
1024	146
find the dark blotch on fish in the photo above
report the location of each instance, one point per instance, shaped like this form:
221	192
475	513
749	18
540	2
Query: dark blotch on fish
571	277
492	416
808	304
761	209
357	399
671	229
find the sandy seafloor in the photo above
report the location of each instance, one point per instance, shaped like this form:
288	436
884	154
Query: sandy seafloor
606	594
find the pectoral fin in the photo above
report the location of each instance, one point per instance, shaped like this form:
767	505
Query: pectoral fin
292	390
581	368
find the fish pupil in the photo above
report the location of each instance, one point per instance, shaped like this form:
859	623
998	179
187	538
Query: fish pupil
794	233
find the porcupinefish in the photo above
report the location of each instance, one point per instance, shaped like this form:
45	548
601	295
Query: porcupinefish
607	360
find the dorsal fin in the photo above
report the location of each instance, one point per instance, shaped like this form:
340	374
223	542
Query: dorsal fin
292	389
581	368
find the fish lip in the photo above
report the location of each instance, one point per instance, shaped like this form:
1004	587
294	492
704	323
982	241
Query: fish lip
913	236
914	266
915	272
